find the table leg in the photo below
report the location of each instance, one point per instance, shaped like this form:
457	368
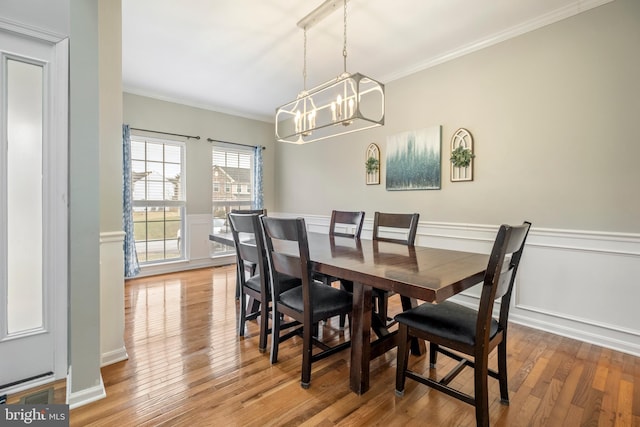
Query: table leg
360	338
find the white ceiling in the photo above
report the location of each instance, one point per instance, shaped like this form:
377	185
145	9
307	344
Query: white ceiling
245	57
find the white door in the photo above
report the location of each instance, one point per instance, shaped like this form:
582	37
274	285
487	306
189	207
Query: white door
33	213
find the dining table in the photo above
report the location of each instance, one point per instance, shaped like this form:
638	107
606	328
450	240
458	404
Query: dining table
417	273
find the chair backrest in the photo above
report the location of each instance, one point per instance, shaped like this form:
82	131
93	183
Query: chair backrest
249	241
407	222
500	275
287	250
249	211
348	221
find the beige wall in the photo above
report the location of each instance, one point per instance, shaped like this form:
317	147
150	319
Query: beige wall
147	113
84	204
553	115
110	75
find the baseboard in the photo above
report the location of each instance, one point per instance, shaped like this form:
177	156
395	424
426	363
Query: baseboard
608	336
114	356
85	396
173	267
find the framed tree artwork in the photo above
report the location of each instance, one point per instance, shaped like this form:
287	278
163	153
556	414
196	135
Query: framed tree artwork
413	160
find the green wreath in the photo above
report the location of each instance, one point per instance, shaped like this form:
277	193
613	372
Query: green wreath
461	157
372	165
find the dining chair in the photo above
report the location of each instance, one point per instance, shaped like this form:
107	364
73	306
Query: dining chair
471	332
287	249
396	223
383	224
346	223
249	244
249	266
343	224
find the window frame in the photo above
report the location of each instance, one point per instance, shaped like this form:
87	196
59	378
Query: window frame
162	204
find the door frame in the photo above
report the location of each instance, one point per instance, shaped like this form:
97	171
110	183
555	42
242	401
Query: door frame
55	193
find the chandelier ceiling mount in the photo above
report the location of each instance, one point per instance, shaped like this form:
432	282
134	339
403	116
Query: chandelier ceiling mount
345	104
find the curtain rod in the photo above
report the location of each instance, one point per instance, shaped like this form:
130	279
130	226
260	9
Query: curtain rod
166	133
235	143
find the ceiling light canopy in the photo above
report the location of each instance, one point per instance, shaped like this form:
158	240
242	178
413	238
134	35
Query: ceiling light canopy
346	104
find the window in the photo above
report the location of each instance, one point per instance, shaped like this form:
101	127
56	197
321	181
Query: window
232	168
158	198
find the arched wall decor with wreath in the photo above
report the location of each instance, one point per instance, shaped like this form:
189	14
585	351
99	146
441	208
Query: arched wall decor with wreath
372	164
462	156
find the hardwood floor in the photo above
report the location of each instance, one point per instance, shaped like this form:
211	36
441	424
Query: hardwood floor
188	367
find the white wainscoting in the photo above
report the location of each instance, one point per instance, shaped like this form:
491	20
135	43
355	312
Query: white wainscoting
578	284
112	348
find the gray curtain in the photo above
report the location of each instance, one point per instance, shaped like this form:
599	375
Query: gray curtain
258	202
131	266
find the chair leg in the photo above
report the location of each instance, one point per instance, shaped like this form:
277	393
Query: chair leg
417	345
307	348
433	354
345	286
264	325
402	359
243	313
383	307
481	391
275	333
502	371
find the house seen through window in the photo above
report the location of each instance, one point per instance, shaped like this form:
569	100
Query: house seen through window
232	176
158	198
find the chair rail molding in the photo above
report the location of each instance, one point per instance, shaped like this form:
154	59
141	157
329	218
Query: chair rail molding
574	283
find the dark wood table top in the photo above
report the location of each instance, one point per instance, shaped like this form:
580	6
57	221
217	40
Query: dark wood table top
429	274
224	238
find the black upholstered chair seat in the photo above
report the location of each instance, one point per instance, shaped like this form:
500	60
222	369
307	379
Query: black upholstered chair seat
327	301
286	283
447	320
253	283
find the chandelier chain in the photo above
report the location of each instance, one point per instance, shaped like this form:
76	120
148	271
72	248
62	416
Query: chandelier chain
344	49
304	66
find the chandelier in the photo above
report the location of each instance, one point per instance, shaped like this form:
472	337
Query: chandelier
345	104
